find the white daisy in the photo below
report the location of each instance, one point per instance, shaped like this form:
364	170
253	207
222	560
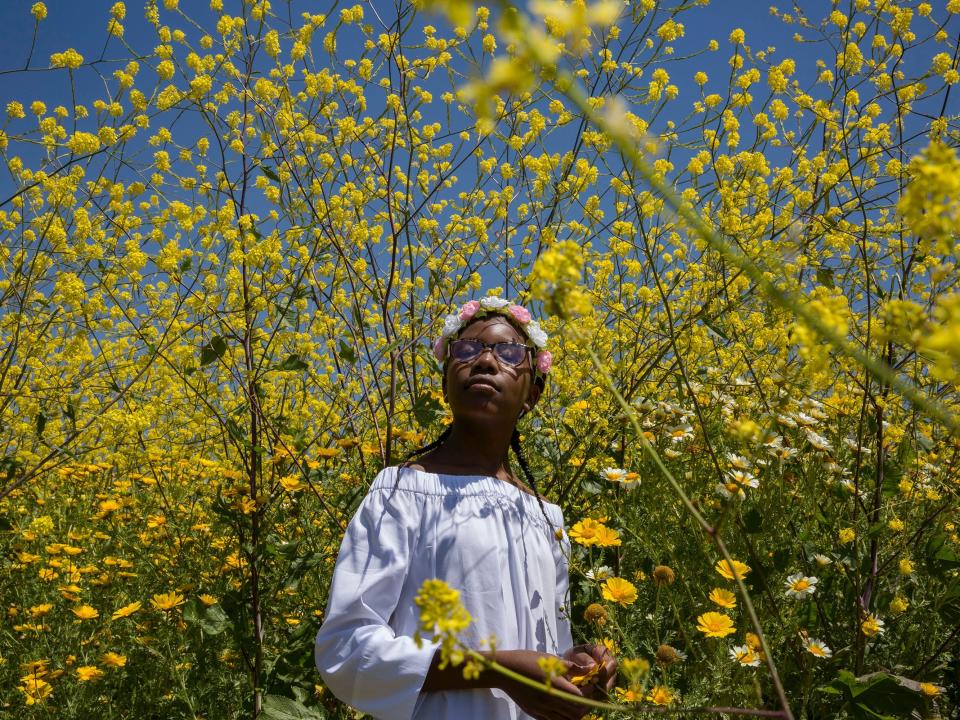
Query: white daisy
744	655
738	461
817	648
799	586
818	441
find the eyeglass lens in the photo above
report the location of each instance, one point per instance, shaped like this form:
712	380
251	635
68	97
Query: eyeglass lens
467	350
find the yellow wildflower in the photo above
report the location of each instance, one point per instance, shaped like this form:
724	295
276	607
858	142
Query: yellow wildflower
714	624
723	598
85	612
87	673
126	611
729	570
619	591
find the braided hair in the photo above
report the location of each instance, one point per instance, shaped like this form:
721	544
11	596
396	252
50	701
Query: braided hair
429	446
515	444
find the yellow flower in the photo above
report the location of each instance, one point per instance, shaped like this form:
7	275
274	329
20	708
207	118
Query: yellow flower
167	601
660	695
847	535
872	626
34	688
634	668
906	567
85	612
39	11
631	694
443	616
714	624
619	591
208	600
591	532
40	610
86	673
291	483
929	689
112	659
726	570
723	598
555	280
899	604
69	58
126	611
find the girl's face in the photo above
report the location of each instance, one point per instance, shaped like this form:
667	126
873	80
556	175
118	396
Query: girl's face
486	387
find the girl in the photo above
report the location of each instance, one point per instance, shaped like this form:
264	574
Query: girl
460	514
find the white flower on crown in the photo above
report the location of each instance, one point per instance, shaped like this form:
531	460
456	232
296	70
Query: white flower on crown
493	303
537	336
451	324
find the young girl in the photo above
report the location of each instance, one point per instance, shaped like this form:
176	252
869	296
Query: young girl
461	514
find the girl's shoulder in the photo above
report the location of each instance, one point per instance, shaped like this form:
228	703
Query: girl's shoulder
415	480
405	479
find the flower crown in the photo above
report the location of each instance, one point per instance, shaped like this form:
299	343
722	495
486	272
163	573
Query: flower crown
455	322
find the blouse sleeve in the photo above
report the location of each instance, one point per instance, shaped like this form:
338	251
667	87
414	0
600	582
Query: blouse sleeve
361	659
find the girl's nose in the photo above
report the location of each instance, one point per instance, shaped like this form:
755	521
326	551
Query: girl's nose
482	357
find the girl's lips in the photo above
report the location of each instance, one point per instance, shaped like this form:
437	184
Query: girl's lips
482	383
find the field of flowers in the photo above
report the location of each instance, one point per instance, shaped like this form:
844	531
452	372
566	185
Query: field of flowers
231	229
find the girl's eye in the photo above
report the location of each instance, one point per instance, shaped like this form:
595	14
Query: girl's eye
511	353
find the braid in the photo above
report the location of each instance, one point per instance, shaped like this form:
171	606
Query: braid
515	444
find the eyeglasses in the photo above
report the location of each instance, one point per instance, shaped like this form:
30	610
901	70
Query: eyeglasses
510	353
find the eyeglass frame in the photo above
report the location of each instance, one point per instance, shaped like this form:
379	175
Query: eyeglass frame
492	348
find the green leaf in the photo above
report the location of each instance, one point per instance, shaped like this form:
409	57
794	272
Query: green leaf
877	696
268	171
293	362
825	276
713	327
277	707
299	569
426	408
212	620
347	353
213	350
41	423
940	553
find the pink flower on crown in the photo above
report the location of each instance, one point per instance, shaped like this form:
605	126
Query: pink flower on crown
520	314
469	309
440	349
544	361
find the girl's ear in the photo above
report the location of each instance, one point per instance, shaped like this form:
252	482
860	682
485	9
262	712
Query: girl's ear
531	400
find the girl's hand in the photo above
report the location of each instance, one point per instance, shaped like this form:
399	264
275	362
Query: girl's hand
596	657
537	703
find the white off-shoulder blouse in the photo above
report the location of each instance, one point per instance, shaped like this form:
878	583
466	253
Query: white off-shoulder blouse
485	538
